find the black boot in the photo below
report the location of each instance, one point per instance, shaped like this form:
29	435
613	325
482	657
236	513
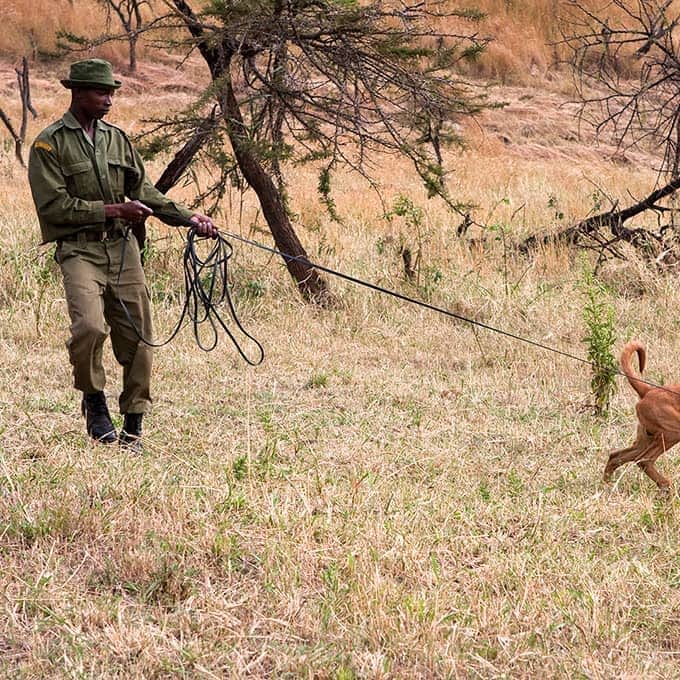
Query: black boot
131	434
97	418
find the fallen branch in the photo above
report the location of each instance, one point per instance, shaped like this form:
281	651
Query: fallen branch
613	220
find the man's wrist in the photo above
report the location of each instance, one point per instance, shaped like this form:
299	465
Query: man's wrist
112	210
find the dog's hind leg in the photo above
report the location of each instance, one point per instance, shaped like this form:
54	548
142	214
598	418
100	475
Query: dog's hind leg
618	458
647	463
651	471
629	454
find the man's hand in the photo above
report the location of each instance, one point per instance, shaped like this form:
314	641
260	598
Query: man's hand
204	225
130	211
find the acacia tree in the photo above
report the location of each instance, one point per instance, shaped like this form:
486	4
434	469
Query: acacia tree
326	81
626	61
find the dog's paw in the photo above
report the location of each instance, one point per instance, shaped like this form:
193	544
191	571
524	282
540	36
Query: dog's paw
666	489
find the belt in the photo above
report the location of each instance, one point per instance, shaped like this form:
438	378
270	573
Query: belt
106	235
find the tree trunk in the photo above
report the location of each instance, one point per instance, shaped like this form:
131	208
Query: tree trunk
26	106
178	165
312	286
18	141
132	41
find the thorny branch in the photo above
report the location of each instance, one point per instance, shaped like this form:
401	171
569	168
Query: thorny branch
627	71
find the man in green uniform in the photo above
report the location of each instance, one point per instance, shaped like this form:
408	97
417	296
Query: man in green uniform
82	172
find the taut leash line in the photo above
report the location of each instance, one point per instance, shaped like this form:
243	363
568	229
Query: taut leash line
434	308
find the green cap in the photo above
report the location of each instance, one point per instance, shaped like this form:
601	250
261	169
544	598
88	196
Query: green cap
91	73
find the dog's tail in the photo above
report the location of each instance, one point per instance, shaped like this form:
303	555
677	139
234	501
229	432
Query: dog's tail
629	349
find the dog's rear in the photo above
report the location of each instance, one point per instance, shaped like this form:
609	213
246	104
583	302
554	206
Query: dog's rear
658	414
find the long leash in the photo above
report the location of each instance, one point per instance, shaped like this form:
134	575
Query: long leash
200	306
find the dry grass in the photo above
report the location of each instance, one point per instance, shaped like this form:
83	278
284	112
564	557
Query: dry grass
522	50
30	27
389	496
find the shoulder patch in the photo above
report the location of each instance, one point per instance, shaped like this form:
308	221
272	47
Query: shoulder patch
40	144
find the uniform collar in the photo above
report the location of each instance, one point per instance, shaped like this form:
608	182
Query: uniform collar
70	121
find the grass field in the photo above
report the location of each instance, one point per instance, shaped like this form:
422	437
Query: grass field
391	494
521	51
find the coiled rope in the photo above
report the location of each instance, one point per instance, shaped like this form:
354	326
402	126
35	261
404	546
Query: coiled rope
206	287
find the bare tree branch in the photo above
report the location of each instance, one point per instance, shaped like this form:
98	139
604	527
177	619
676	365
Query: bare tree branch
26	107
626	64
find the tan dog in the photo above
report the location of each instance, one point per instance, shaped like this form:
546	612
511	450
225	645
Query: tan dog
658	413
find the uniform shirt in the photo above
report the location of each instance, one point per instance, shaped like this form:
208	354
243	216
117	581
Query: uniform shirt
72	177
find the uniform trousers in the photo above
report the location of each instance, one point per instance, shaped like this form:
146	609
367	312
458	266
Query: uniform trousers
95	283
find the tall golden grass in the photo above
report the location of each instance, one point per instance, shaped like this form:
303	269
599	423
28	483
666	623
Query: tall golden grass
391	495
521	49
30	26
